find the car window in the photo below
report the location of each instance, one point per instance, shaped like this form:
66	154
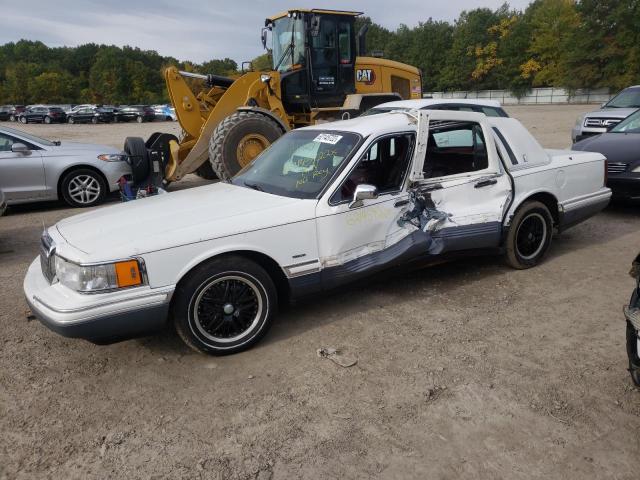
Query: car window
454	148
5	142
299	164
493	112
384	165
31	138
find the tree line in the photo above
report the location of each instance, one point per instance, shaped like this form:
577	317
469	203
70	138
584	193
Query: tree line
552	43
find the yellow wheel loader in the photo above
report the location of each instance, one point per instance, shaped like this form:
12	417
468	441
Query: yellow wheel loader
315	77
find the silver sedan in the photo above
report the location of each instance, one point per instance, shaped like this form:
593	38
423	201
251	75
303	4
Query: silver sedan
33	169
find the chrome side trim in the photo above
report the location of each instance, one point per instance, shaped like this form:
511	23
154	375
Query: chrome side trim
585	200
304	268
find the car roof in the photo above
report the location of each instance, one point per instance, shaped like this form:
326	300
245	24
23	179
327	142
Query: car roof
427	102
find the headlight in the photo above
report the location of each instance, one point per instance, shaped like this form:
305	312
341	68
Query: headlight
112	157
98	278
580	120
636	169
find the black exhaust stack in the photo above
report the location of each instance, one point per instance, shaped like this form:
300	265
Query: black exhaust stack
362	40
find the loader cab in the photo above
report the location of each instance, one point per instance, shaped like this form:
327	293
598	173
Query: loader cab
314	51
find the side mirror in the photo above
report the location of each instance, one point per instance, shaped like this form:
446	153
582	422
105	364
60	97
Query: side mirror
20	148
263	36
604	105
363	192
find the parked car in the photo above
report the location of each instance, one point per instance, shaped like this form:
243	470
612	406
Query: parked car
610	114
43	114
165	112
139	113
5	112
35	169
91	115
15	111
490	108
620	145
3	204
324	205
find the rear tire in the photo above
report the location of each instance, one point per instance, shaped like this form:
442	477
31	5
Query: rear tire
83	188
138	158
71	120
94	120
23	119
47	120
238	139
529	235
224	305
139	119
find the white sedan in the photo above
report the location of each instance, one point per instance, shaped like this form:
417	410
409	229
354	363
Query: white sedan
324	205
34	169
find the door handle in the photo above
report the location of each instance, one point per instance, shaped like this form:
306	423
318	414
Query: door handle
401	203
485	182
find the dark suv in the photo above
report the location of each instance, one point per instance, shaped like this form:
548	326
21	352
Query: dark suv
139	113
91	115
43	114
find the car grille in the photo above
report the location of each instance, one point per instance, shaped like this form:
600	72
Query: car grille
616	167
47	257
601	122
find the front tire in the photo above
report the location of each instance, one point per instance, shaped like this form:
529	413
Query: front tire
47	120
224	305
71	120
139	119
83	188
529	236
23	119
238	139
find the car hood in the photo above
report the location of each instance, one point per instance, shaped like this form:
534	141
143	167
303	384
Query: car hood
611	113
617	147
179	218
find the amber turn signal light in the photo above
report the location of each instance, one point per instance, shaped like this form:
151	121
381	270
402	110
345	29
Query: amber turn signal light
128	274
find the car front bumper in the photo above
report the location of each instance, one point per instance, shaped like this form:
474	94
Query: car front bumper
625	186
100	318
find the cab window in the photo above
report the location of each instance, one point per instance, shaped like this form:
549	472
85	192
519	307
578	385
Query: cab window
384	166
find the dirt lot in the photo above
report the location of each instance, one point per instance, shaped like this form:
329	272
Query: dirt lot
465	370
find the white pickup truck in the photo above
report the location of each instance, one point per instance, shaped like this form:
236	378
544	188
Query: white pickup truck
324	205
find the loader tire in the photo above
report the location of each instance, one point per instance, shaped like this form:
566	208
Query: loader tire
206	171
238	139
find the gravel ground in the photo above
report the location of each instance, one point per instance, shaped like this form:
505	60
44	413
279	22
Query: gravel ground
465	370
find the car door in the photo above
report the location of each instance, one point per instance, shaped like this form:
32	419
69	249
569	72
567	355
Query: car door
361	237
459	179
22	177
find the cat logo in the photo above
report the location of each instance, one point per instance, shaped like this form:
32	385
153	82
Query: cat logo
366	75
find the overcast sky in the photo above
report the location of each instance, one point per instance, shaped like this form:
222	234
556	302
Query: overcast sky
197	30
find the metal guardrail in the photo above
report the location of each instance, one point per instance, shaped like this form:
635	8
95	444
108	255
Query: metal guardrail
543	96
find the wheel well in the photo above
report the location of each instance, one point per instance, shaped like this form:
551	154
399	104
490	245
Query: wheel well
266	262
78	167
266	113
548	200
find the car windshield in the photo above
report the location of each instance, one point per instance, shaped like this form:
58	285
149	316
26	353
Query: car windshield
299	164
28	136
631	124
629	98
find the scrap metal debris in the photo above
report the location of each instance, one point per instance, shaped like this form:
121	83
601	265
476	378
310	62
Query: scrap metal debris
424	214
336	357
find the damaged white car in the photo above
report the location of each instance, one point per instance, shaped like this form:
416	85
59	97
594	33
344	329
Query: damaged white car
323	206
